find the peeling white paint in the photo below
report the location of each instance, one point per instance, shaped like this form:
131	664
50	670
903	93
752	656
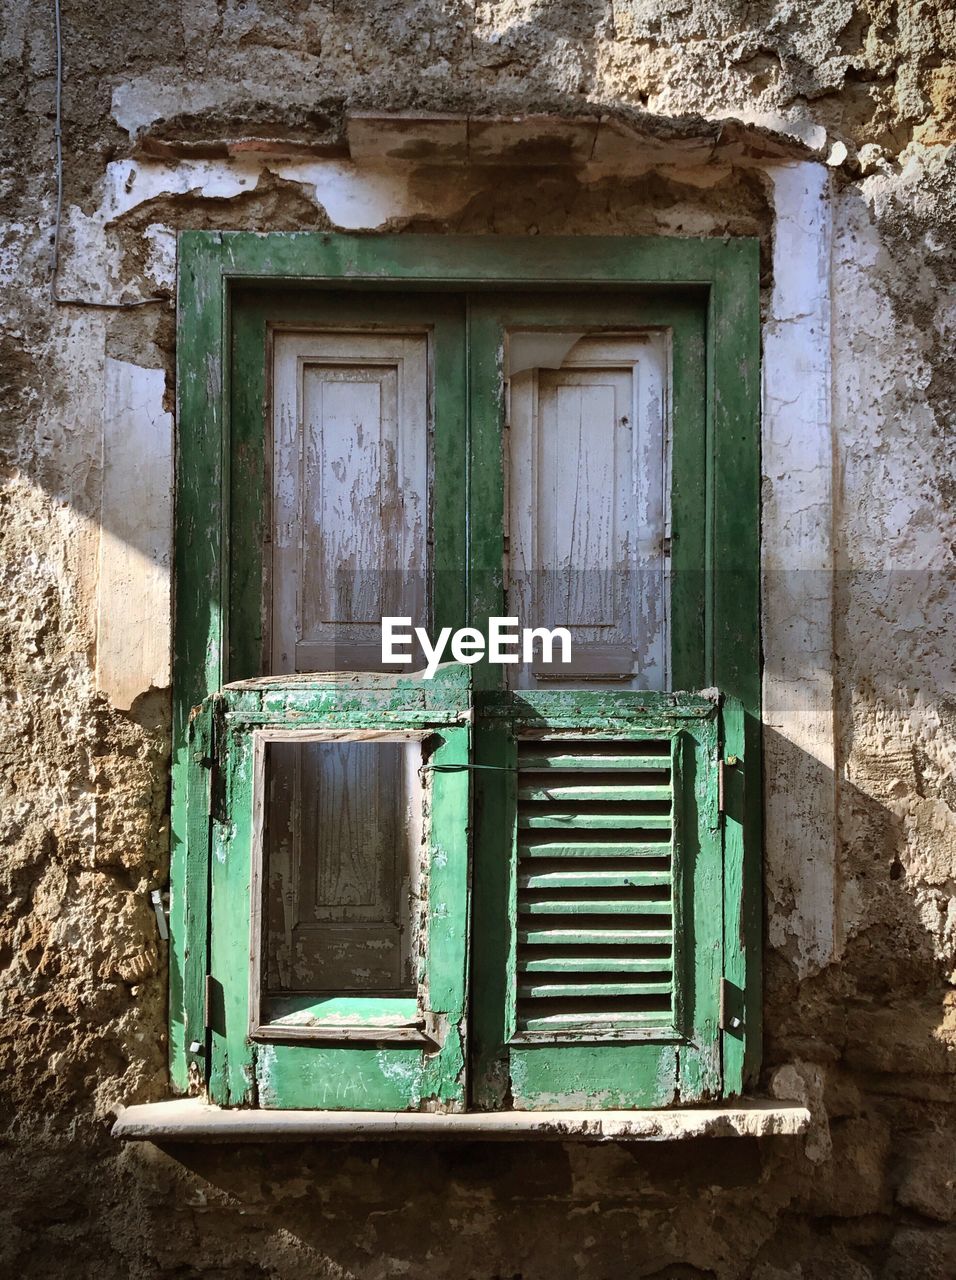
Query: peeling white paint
161	256
362	198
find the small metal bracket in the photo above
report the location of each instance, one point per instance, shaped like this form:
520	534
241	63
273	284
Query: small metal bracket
726	1020
156	898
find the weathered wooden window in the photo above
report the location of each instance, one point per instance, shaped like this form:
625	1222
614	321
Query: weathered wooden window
510	886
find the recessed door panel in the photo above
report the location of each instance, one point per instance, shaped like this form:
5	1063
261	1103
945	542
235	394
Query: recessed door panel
588	510
342	846
350	495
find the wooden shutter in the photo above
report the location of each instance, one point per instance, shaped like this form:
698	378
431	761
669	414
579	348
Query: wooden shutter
373	1022
604	891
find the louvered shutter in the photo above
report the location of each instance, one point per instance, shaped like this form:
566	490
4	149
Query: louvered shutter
607	904
595	903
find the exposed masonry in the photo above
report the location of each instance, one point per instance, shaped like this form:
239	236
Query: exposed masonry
232	115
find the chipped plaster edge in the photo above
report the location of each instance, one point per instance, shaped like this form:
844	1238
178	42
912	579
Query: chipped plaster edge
797	583
134	563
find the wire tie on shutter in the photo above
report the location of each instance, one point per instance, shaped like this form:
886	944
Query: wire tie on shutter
451	768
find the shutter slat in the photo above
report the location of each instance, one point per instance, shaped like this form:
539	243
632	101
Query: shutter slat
569	848
594	820
587	792
594	907
572	1021
551	758
618	878
587	962
595	924
594	935
580	990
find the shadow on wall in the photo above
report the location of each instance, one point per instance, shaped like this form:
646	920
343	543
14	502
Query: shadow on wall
884	1005
866	1037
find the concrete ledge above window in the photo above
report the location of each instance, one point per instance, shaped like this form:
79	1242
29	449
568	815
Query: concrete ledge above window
193	1120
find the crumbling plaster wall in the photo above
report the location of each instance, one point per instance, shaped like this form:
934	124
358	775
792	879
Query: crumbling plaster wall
860	1010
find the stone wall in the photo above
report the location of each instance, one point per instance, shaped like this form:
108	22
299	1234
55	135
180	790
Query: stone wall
847	175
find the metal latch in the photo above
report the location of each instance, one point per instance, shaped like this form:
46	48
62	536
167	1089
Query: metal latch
209	1000
722	766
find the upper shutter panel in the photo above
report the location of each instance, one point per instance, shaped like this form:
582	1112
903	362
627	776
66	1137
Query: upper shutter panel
588	509
350	481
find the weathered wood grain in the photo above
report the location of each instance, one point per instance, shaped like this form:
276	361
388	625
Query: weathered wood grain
587	464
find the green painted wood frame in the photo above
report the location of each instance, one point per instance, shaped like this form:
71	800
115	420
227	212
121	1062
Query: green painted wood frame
722	274
364	1072
676	1058
579	1069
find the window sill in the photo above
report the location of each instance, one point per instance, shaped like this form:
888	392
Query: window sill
193	1120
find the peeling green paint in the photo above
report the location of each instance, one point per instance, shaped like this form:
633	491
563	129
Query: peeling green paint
362	1074
715	611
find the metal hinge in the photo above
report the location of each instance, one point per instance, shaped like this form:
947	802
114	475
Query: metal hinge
722	767
197	1047
720	787
159	908
209	764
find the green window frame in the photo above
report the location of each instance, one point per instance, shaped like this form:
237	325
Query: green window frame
283	1060
706	293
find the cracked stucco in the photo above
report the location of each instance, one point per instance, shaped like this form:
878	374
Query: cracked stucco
860	849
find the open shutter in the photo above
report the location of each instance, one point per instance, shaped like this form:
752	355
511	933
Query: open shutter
339	907
603	888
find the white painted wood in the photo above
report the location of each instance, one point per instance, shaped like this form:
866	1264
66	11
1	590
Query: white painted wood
588	509
350	495
193	1120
